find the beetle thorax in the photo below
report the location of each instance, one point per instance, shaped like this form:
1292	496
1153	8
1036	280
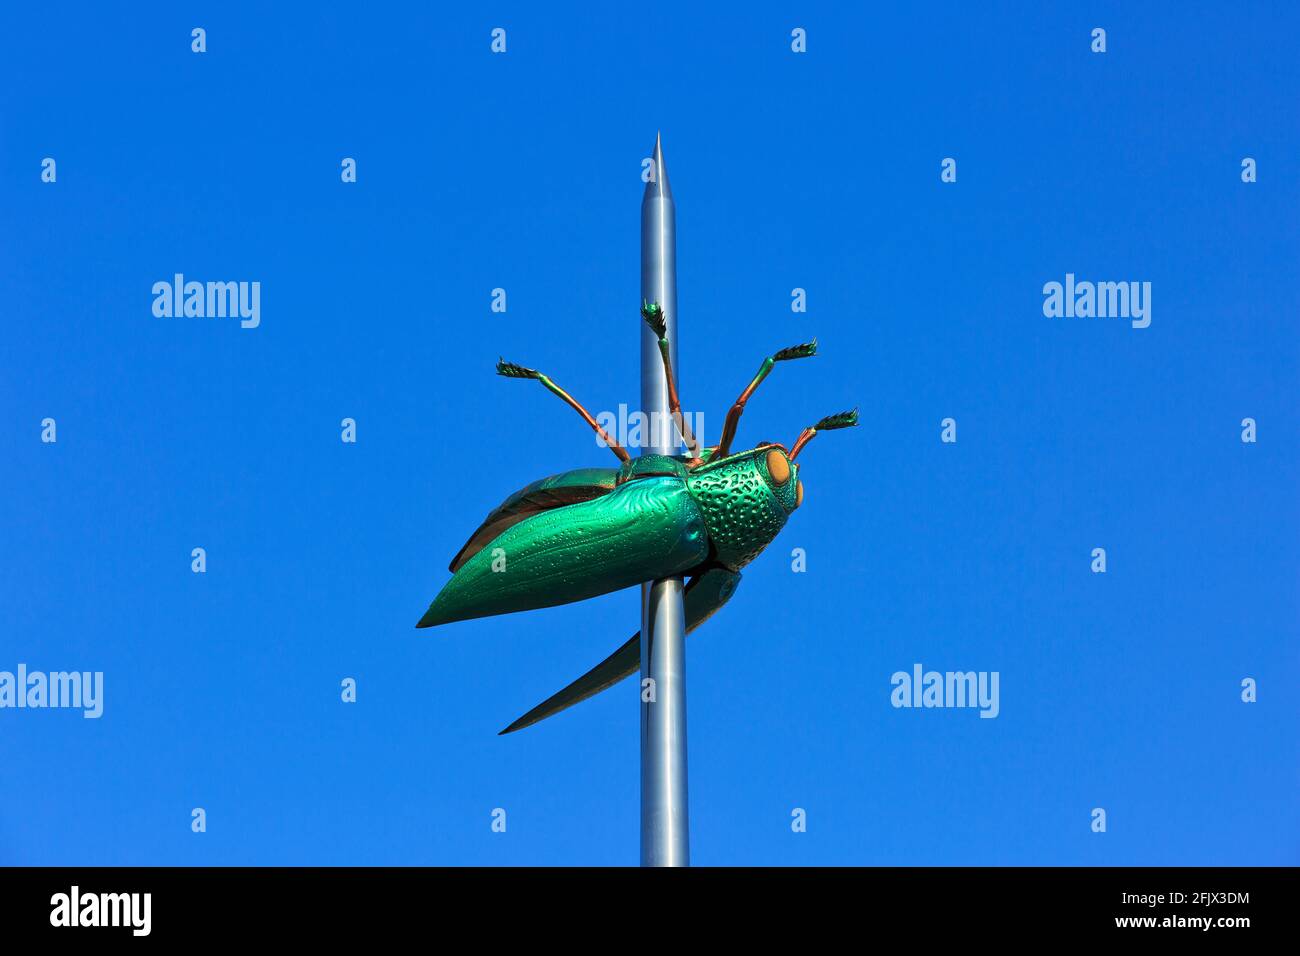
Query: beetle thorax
743	507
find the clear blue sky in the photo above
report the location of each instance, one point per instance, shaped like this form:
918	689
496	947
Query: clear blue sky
522	171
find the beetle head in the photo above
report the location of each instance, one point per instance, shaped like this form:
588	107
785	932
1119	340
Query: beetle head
774	463
776	466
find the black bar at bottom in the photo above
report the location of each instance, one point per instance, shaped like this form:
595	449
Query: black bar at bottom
337	905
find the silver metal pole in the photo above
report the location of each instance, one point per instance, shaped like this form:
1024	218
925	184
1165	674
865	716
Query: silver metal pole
665	827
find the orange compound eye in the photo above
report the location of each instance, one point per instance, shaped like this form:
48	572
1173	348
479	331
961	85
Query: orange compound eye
798	494
778	466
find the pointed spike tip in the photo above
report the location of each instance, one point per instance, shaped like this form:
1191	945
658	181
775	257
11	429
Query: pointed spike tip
657	186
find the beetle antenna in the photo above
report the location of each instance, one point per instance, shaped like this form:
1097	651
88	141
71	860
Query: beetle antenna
657	319
511	370
806	350
829	423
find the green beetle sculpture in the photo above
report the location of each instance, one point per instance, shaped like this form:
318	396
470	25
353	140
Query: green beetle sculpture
583	533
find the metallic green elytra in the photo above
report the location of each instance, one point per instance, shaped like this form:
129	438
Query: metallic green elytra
579	551
703	515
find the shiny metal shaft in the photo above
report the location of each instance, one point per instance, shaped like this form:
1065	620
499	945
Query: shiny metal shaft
665	826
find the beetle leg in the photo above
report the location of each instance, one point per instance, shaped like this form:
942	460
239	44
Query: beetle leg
829	423
733	416
654	317
511	370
